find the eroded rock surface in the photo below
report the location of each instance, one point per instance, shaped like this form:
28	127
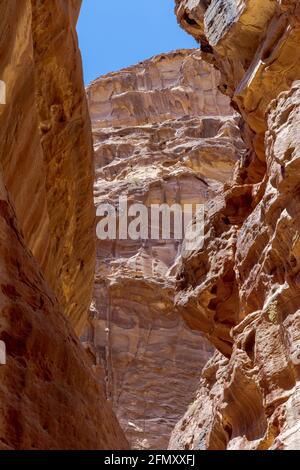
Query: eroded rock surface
46	151
242	288
162	134
50	397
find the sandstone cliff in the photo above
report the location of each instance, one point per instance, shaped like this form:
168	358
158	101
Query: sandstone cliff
242	288
46	151
163	133
50	397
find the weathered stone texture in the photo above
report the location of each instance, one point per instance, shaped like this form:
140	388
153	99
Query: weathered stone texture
162	134
242	289
165	87
50	398
46	151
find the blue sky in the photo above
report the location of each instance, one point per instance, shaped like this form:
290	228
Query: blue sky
116	33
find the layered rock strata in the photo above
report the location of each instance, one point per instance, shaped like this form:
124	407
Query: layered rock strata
242	288
162	134
50	397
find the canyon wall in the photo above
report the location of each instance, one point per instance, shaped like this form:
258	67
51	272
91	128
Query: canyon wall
163	133
46	151
242	289
50	396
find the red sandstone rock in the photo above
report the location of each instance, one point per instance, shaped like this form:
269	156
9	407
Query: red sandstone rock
46	151
162	133
50	397
247	300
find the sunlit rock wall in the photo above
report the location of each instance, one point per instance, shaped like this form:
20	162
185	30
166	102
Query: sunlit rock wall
46	151
50	397
163	133
242	289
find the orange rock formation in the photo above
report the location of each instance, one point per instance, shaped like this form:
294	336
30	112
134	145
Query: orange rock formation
50	397
163	133
162	318
242	288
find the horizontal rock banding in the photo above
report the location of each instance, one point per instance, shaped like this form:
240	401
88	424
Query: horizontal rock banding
162	134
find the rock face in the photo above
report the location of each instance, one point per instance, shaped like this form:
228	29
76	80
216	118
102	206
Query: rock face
162	134
166	87
242	288
50	398
45	136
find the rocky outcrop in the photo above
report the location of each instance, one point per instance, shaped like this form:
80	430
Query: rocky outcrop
162	134
50	398
166	87
242	288
46	151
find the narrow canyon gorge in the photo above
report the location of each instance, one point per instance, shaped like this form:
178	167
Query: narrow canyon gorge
50	397
143	343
